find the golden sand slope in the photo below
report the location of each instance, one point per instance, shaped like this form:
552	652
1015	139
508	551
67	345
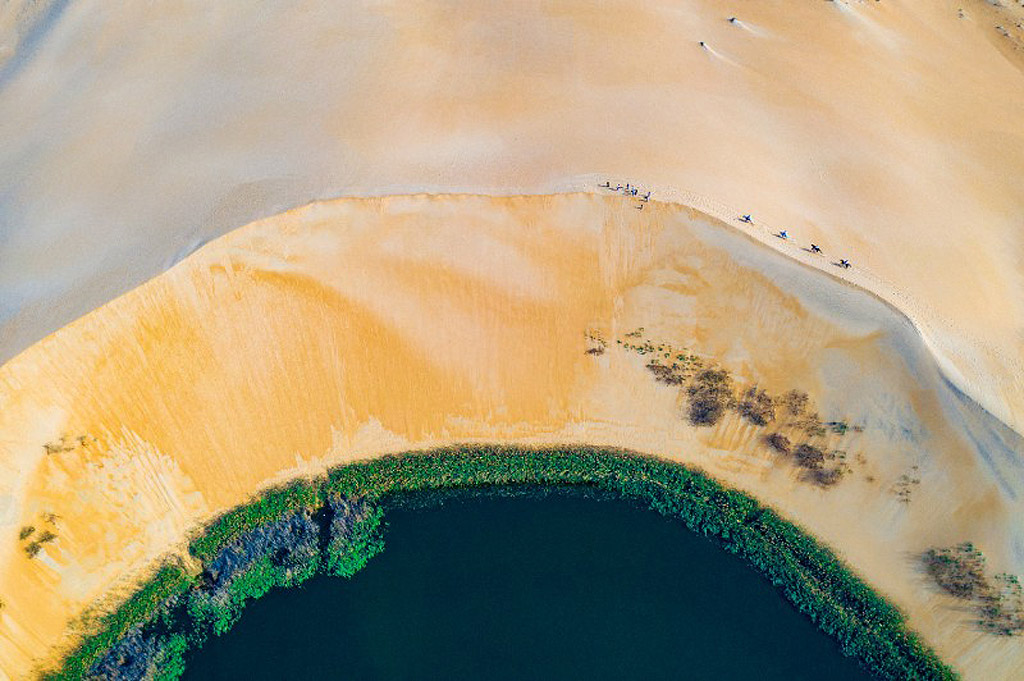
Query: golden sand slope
352	328
889	132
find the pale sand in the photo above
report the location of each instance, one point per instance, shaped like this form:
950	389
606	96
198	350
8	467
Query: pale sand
353	328
884	131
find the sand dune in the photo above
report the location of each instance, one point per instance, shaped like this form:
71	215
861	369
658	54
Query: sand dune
884	131
357	327
887	132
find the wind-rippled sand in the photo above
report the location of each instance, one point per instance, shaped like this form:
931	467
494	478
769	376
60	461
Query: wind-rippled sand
889	133
352	328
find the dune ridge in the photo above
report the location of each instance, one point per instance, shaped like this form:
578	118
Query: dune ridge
353	328
888	132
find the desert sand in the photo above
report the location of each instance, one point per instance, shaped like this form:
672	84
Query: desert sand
353	328
888	132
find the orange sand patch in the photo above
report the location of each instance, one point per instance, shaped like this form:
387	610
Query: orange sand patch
354	328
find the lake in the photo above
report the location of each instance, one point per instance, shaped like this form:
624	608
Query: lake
556	586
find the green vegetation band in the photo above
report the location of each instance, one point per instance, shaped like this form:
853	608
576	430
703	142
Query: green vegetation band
808	574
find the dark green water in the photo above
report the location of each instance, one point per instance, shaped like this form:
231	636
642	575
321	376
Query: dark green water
557	587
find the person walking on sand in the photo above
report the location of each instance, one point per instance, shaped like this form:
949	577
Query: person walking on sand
815	248
747	219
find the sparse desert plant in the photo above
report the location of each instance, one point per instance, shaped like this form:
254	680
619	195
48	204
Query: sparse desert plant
26	532
709	395
810	576
838	427
795	402
959	571
813	462
826	476
33	548
905	485
757	406
1002	609
808	456
779	443
669	375
811	424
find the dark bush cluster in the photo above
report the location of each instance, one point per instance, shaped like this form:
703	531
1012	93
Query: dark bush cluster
960	571
666	374
33	548
779	442
819	466
710	394
756	406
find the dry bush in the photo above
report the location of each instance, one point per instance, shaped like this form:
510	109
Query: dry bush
808	456
665	374
757	406
812	460
1002	609
778	442
838	427
811	424
795	402
826	477
959	571
710	394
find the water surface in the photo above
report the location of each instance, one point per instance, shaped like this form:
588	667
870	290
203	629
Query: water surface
554	587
